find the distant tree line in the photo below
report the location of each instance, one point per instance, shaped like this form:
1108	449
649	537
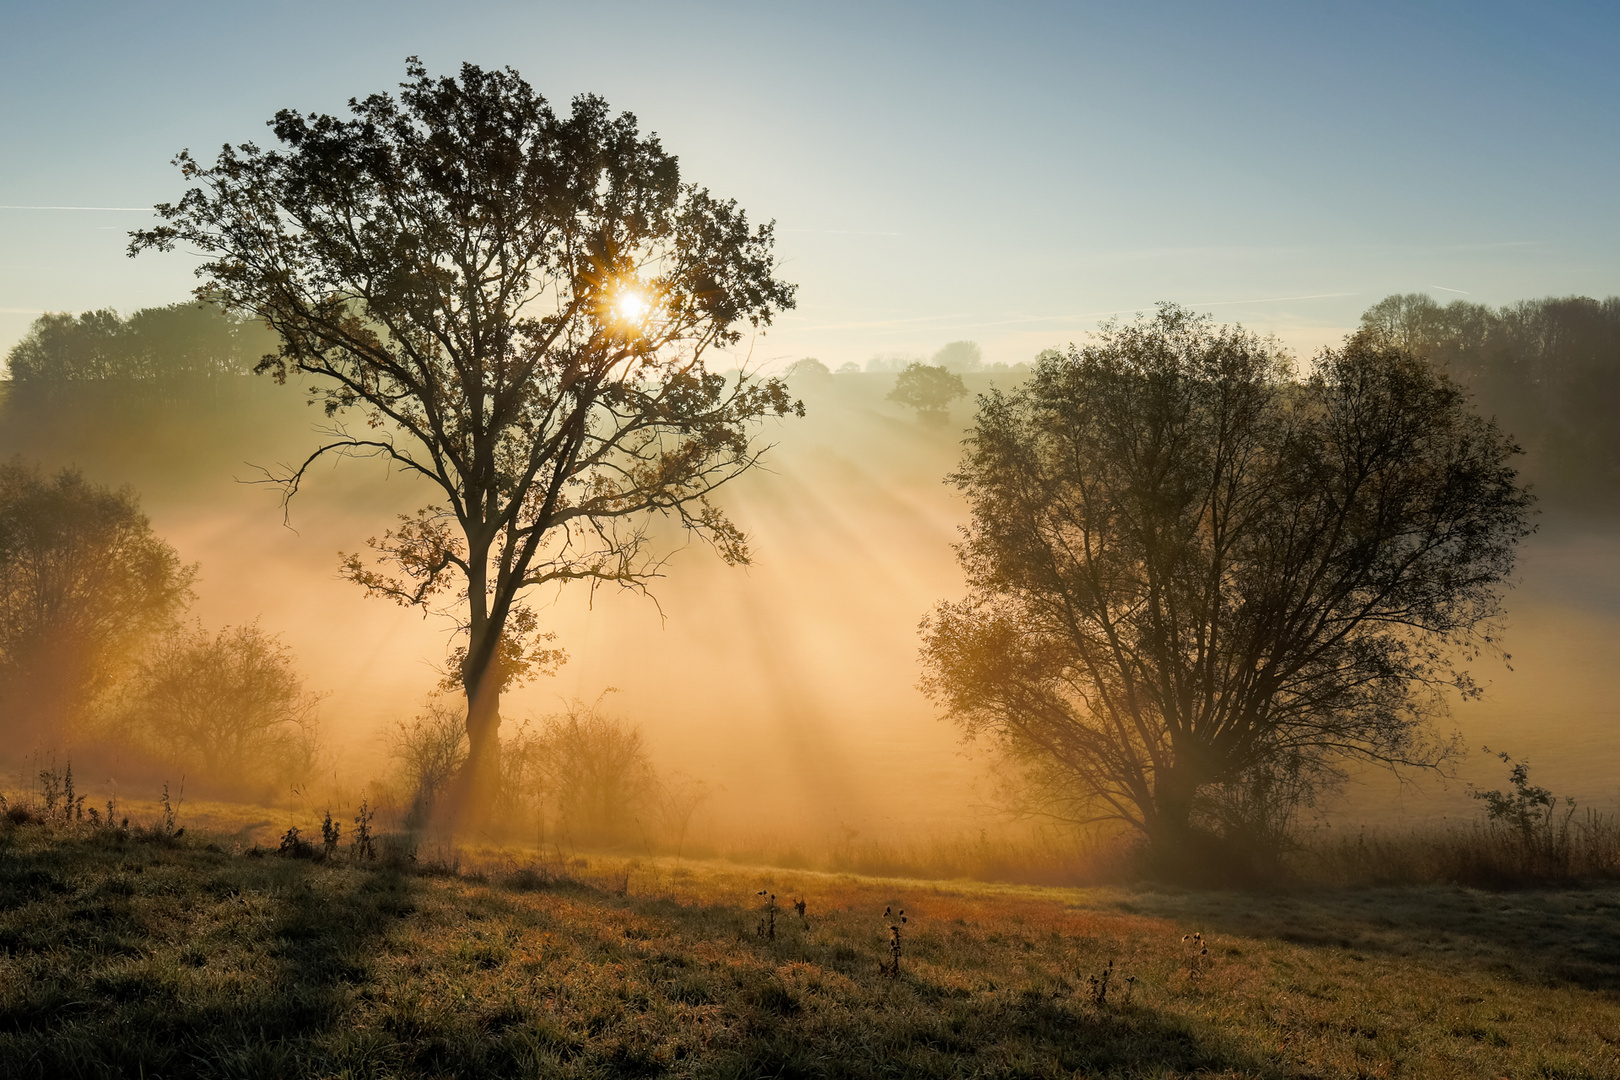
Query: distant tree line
1548	370
185	341
99	372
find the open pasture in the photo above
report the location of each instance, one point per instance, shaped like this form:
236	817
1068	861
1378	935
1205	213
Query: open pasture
134	955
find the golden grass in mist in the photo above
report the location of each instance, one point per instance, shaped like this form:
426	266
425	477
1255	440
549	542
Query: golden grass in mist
127	954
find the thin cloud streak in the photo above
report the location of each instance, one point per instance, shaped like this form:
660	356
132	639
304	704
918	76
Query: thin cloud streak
841	232
131	209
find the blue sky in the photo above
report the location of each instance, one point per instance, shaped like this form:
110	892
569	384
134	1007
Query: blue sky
1002	172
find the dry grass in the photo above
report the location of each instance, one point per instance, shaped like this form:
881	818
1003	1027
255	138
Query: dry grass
1578	846
126	954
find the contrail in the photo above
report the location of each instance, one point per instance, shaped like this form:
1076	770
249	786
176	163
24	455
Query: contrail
1442	288
130	208
1272	299
840	232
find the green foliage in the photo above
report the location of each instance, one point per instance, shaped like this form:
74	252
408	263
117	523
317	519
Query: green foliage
1198	584
179	342
929	390
1548	370
84	585
230	707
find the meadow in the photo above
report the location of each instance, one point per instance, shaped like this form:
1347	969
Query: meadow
145	950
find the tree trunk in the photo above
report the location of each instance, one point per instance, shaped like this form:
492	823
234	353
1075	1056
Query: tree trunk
472	805
1175	849
482	773
1182	852
1171	825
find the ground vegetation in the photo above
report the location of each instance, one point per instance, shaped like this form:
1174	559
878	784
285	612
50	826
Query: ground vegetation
135	949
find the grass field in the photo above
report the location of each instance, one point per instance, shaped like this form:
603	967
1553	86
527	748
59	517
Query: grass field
129	953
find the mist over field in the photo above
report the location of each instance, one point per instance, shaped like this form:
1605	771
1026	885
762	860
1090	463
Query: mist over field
787	688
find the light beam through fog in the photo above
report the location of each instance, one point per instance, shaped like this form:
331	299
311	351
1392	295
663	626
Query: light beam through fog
789	686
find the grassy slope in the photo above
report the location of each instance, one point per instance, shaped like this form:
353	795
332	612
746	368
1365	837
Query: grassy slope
121	956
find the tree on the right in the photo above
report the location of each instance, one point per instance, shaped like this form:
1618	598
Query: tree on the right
1202	583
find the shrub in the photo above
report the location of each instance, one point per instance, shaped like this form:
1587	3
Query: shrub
428	751
232	706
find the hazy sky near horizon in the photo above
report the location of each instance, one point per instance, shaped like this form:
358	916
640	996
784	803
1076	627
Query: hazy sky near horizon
1008	173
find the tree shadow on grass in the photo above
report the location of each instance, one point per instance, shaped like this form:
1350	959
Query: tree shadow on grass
808	1005
1005	1036
1547	936
160	959
164	960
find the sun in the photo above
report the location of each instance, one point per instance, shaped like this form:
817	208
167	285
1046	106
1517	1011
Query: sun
631	305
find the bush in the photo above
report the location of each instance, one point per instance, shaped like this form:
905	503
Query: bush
428	751
231	707
598	784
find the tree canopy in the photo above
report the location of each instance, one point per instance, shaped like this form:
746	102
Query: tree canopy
929	390
180	341
1548	369
84	583
232	706
960	357
1200	584
517	305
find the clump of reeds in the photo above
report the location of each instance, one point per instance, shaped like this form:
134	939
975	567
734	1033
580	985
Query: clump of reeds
1196	954
767	921
1526	835
897	921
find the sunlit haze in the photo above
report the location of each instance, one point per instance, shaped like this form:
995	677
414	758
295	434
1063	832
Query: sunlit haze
1010	175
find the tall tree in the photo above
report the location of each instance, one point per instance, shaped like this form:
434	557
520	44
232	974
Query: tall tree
1199	585
518	305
